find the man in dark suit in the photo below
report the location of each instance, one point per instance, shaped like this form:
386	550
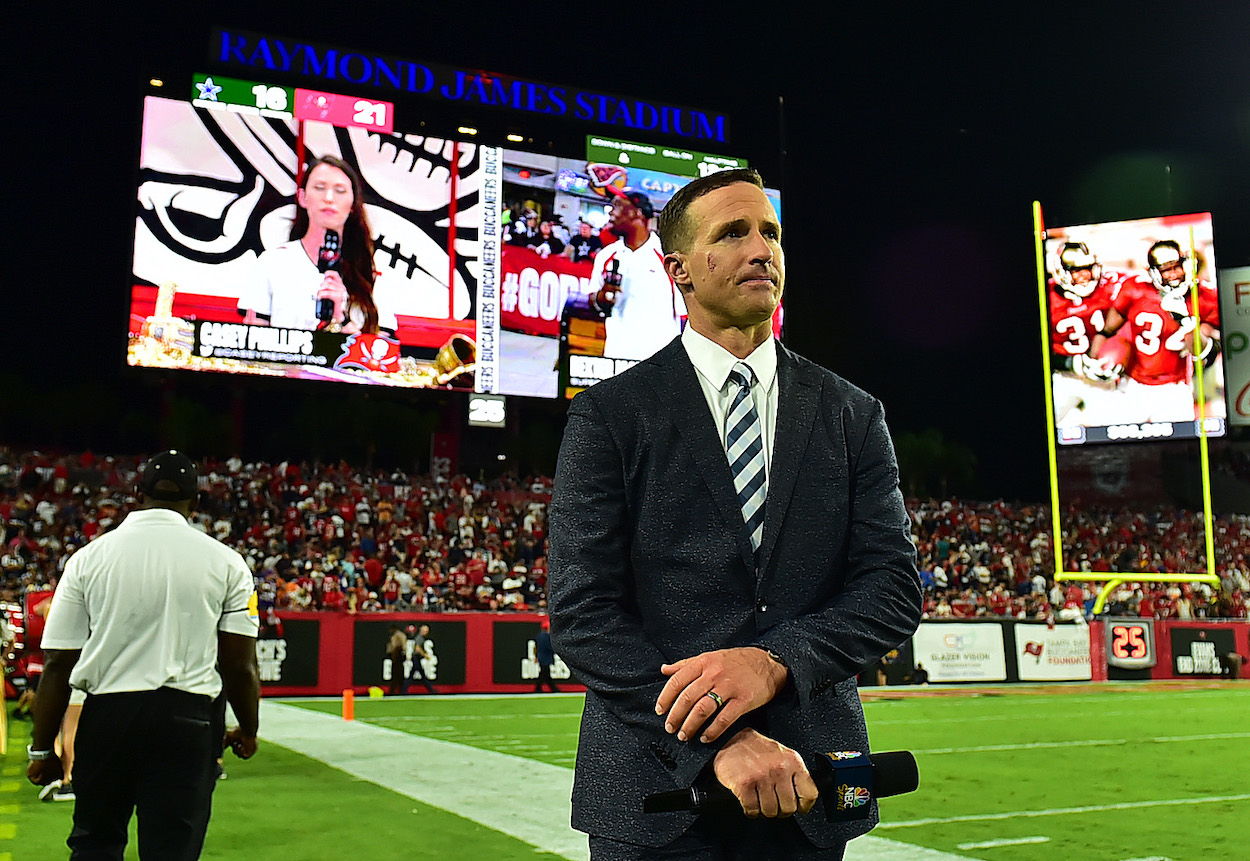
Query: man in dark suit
716	637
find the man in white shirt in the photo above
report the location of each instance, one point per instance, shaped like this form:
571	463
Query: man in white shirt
628	278
141	621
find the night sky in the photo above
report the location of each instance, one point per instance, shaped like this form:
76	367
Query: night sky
913	139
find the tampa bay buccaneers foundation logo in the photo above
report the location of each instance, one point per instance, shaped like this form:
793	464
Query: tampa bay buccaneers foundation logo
369	353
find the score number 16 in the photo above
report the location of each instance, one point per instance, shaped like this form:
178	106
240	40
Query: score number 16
271	98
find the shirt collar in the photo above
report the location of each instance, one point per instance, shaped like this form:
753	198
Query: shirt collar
714	362
652	244
156	514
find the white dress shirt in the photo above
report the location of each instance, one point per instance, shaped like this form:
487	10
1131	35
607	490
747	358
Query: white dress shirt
712	362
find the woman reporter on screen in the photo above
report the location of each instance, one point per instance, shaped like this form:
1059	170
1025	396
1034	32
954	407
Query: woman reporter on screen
306	283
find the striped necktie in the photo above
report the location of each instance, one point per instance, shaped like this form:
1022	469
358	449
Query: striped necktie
744	445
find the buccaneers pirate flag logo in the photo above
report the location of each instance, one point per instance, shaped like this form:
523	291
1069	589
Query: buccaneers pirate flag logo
369	353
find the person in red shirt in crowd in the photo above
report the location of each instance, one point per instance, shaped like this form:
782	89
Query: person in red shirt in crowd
375	571
1074	594
433	581
331	596
475	569
963	607
458	578
999	602
390	591
538	573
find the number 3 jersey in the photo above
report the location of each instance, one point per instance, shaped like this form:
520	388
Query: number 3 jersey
1161	342
1074	324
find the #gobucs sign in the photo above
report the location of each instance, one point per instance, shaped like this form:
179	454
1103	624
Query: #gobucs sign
369	353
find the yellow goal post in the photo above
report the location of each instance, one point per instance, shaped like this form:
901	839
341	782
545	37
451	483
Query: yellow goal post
1208	577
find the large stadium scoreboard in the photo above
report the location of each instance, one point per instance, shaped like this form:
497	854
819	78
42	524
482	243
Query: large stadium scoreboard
473	309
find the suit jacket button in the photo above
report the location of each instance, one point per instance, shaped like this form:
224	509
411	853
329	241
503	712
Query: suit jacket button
762	607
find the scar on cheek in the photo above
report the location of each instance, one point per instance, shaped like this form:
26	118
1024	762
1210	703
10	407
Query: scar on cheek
711	263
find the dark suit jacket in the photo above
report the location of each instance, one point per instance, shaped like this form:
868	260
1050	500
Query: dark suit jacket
650	562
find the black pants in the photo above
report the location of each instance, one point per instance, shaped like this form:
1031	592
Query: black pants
399	684
544	678
418	675
152	751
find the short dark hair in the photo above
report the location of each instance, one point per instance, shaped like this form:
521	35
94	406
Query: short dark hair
675	229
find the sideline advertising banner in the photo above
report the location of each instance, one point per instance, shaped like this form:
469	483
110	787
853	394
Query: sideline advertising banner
1200	651
291	658
445	646
961	652
1235	313
1059	654
516	659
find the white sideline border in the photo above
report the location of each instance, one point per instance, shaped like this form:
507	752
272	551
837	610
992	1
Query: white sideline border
520	797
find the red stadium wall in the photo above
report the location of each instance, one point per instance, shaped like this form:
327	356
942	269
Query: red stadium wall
326	653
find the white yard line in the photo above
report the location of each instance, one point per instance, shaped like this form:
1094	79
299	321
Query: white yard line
526	715
521	797
524	798
1060	811
1088	742
1007	841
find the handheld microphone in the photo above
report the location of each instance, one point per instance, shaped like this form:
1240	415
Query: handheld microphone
612	276
331	249
847	780
328	258
612	279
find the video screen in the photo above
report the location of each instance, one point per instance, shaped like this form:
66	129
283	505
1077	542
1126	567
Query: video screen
307	235
1134	322
239	269
579	279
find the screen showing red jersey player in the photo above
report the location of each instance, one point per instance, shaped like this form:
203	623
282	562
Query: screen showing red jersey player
1082	294
1133	325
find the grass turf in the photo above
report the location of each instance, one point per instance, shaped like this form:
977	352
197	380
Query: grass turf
981	754
281	806
1084	746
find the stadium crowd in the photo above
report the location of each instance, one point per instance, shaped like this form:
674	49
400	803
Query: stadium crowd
995	559
332	538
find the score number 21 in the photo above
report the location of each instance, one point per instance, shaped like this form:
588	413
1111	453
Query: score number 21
370	113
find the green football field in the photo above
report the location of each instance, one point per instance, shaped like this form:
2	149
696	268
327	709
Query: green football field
1099	772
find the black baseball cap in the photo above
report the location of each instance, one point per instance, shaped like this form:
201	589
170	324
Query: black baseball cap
637	198
171	466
